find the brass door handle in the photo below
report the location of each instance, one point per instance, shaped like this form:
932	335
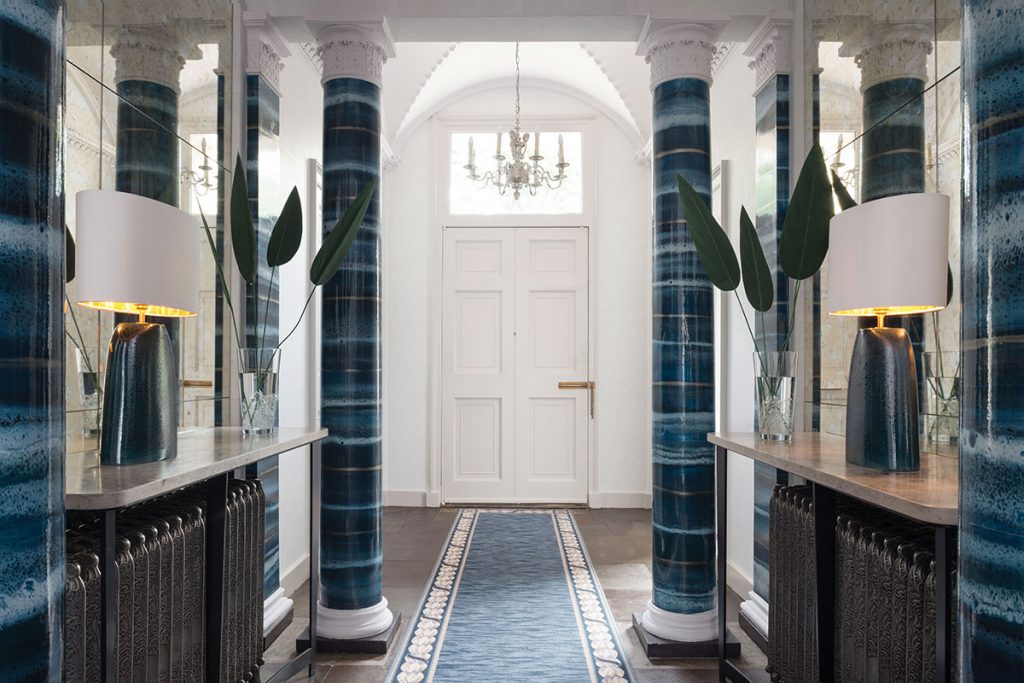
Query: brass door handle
591	386
197	383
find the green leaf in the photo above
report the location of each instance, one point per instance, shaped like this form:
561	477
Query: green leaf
332	251
804	240
69	256
757	276
243	234
842	194
949	284
716	253
287	234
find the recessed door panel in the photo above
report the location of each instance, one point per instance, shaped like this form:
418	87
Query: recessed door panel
478	336
478	438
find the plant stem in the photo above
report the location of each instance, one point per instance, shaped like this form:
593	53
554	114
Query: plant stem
301	314
938	340
266	312
746	320
80	344
792	317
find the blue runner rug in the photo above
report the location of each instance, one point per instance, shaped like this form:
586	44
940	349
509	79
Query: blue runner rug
513	598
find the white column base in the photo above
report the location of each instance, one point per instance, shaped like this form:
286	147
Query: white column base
274	610
350	624
683	628
755	609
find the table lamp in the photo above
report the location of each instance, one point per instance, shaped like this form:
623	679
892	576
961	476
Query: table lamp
886	257
138	256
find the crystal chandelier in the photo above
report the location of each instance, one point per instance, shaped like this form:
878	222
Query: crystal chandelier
521	172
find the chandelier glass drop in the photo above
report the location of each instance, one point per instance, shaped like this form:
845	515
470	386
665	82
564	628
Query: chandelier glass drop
522	171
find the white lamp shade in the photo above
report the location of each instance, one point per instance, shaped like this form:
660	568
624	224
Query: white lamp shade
889	256
135	255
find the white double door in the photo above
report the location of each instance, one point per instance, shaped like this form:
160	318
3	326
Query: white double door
515	325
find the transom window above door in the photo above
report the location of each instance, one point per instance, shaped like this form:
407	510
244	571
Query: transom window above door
468	197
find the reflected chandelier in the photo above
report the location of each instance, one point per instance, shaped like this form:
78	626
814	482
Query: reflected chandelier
521	172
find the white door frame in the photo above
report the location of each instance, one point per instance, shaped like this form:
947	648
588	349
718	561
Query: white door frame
442	127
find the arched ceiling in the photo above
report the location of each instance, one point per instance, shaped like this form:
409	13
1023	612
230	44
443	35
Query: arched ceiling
426	76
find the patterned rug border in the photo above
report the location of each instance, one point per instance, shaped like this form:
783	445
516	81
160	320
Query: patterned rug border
424	638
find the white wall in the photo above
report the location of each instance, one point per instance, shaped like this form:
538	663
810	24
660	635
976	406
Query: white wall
732	138
301	139
620	282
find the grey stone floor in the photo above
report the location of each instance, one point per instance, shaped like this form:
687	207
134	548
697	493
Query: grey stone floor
619	542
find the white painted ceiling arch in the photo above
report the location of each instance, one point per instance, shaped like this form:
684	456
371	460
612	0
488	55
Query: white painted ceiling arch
447	73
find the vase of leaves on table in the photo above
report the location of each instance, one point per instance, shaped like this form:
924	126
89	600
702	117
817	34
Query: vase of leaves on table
258	362
803	246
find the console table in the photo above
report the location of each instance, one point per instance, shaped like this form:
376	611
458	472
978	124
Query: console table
208	455
929	496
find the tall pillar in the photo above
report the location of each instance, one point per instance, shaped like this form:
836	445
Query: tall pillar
31	338
265	47
683	498
991	565
351	554
148	62
893	60
771	50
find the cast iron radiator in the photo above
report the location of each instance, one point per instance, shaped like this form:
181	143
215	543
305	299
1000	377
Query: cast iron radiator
885	594
160	605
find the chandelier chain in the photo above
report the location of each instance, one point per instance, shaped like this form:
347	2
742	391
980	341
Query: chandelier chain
517	85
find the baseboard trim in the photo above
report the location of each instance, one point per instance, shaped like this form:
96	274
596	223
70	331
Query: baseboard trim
296	575
620	499
737	580
405	498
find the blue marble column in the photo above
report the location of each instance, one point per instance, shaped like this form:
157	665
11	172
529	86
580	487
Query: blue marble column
351	552
148	63
683	497
991	568
31	339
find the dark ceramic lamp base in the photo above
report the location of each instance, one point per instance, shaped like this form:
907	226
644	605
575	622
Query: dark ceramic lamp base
881	405
140	402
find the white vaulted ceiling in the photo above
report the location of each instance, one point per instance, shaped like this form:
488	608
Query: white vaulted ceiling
425	77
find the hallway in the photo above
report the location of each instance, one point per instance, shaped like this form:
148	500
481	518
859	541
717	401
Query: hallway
619	543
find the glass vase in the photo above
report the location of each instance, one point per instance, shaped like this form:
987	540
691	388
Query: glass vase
775	387
258	385
941	401
90	388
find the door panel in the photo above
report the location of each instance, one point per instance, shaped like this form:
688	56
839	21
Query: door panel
515	324
552	424
478	381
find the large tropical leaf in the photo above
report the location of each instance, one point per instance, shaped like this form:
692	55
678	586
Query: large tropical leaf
757	276
287	234
949	284
842	194
804	240
334	248
243	234
712	244
69	256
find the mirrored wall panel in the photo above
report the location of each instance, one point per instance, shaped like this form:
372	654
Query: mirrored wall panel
887	115
146	114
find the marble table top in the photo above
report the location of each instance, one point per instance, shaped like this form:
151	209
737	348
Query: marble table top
202	453
928	495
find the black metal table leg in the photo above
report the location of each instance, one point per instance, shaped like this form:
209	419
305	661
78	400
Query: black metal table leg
825	577
314	547
944	541
216	505
108	595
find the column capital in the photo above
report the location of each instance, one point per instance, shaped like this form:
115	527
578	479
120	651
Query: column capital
771	50
677	50
265	47
886	52
154	53
354	50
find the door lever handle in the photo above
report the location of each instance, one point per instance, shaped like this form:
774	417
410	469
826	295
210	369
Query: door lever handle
591	386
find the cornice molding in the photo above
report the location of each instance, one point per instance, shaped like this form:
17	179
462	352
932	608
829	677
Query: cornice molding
91	146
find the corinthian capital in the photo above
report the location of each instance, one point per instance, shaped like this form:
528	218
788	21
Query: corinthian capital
891	51
264	48
154	53
354	51
678	51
